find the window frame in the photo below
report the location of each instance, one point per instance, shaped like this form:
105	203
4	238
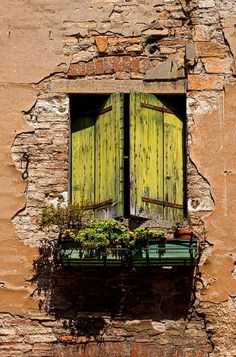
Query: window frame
184	154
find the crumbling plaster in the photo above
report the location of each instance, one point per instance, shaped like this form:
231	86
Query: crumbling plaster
214	154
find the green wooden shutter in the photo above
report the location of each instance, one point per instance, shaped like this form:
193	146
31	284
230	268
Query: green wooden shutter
173	167
156	159
82	157
97	157
146	155
109	158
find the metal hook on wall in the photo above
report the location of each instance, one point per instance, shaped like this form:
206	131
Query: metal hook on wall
25	174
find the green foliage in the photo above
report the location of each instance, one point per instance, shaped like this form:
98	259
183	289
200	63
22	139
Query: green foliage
64	217
90	239
107	234
143	234
95	235
102	234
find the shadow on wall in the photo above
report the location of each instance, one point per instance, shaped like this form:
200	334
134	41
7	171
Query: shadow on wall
84	297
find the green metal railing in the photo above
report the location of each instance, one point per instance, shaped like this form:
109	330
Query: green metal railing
169	252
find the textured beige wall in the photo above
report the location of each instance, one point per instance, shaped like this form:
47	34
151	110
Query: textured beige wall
213	151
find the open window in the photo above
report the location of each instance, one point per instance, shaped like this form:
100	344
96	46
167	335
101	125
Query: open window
127	155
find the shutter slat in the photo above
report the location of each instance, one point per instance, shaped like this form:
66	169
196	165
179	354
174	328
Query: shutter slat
97	157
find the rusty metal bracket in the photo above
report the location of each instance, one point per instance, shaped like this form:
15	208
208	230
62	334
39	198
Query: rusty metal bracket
25	173
157	108
161	203
99	205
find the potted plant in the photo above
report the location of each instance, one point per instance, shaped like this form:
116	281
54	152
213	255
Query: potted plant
182	231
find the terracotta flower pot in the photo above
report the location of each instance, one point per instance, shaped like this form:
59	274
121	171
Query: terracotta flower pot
183	233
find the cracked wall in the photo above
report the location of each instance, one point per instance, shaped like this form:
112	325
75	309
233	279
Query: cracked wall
47	45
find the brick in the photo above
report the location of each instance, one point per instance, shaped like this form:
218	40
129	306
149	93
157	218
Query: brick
42	346
90	68
126	64
35	330
164	15
76	339
210	49
40	354
93	350
40	338
134	350
83	351
108	65
205	82
135	64
109	348
98	64
120	349
144	65
117	65
7	331
23	347
19	322
144	350
73	70
81	69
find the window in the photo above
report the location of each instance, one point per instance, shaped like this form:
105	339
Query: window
127	155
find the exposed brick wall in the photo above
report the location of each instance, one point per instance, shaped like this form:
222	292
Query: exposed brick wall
121	66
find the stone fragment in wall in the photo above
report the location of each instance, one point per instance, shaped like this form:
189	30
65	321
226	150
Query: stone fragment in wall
101	43
230	35
202	33
218	65
134	48
116	49
204	82
160	327
190	54
155	25
76	339
136	76
156	32
210	49
128	40
167	70
205	4
167	50
84	56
